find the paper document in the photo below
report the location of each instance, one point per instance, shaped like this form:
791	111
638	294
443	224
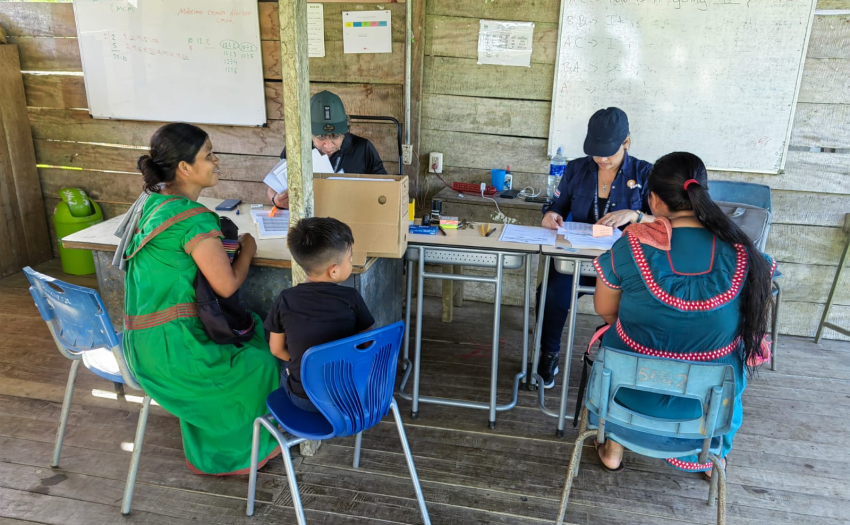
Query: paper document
367	32
528	235
321	163
315	30
576	228
589	242
277	177
505	43
276	227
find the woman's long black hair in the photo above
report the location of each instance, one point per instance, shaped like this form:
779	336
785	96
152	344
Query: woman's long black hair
667	181
170	144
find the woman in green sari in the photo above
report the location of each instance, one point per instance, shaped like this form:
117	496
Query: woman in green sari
216	390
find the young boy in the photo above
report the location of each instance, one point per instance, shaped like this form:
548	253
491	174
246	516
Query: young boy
320	310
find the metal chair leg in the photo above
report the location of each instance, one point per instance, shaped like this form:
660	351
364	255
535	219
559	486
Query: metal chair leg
137	452
572	472
774	331
66	411
358	442
293	485
252	474
417	488
718	489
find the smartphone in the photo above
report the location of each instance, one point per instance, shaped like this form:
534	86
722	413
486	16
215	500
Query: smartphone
229	205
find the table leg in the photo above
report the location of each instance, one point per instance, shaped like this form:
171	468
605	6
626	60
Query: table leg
457	300
406	361
565	381
525	321
538	329
494	365
447	288
417	347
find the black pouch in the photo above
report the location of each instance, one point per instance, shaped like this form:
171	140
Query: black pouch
587	363
213	318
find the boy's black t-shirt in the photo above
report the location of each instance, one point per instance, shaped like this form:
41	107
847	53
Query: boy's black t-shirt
312	314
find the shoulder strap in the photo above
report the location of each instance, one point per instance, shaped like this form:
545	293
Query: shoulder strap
167	224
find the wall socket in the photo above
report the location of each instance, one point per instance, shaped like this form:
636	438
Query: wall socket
407	154
435	163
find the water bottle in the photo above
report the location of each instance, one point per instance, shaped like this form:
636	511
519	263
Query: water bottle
509	179
556	171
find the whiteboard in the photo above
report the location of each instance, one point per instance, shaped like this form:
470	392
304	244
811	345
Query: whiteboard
717	78
193	60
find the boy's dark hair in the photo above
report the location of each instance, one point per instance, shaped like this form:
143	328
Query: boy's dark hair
318	242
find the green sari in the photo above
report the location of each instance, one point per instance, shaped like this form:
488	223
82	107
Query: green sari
215	390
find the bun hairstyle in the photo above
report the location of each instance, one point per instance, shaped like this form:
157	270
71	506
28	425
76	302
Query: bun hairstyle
170	145
680	180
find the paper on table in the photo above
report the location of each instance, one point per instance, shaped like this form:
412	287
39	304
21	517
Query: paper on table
277	177
576	228
528	235
276	227
588	242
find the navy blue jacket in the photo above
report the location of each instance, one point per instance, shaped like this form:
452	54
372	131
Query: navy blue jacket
577	188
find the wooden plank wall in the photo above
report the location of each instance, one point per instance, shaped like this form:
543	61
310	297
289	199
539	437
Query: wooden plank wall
99	156
481	117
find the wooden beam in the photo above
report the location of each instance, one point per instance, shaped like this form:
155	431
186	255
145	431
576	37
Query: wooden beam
295	72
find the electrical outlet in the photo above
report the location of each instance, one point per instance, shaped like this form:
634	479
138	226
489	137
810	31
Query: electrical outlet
407	154
435	163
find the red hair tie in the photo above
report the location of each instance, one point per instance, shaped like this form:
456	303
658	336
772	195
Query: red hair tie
689	182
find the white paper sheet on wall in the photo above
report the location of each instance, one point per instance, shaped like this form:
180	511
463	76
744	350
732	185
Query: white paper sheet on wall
505	43
315	30
367	32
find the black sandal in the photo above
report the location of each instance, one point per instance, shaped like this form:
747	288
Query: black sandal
605	467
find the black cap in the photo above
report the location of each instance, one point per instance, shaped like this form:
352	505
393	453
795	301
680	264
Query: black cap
606	132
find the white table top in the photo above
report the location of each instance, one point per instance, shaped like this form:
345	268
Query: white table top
472	238
270	252
555	251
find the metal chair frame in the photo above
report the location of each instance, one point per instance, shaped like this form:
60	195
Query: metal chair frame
75	354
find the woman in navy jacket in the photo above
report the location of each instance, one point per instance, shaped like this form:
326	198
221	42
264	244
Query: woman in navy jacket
606	187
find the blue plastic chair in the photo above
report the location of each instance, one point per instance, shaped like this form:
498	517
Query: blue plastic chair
83	333
711	385
753	195
351	382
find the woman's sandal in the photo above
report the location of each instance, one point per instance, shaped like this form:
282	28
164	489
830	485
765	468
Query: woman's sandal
705	474
605	467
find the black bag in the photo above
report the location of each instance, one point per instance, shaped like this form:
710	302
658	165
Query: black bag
223	318
213	317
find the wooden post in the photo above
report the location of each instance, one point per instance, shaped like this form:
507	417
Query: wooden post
24	238
295	73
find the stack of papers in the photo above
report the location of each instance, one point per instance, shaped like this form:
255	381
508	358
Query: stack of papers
580	235
276	227
528	235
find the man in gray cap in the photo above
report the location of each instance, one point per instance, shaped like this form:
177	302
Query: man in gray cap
347	152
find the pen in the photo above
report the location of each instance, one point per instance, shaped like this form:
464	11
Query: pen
442	230
489	233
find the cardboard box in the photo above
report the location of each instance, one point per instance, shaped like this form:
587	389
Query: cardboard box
374	206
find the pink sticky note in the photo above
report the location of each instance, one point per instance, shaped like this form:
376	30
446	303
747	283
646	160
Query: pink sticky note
602	231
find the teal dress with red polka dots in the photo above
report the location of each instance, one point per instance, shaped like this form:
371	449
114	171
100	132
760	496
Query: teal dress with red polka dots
679	303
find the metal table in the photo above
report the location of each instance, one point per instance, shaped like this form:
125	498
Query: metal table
465	248
568	261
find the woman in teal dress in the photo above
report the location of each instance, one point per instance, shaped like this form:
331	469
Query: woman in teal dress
689	286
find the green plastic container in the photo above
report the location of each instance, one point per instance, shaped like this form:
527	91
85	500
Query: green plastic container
74	213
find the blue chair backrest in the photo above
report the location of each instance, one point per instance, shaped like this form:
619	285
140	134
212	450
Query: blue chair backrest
351	381
757	195
79	319
710	384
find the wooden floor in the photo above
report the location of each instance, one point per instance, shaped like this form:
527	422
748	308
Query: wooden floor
789	466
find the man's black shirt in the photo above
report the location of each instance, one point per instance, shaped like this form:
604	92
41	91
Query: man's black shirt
356	155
